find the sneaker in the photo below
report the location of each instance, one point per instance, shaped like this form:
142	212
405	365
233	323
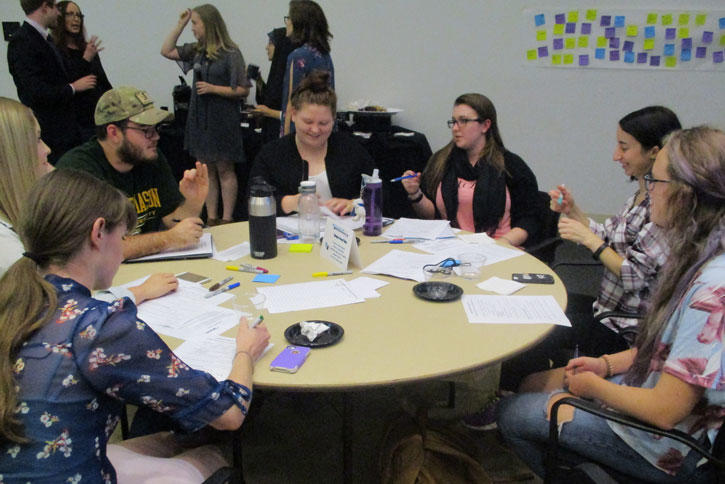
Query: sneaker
484	419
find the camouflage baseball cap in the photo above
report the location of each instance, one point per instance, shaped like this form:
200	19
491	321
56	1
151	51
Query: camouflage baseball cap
131	103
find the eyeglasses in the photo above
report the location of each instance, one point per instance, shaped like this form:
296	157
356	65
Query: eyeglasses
286	19
462	122
148	131
79	16
649	181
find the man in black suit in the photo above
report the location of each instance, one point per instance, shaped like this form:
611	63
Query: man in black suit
41	78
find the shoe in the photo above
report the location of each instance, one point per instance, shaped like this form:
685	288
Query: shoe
484	419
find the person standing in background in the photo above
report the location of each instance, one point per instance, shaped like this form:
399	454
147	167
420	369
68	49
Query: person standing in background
213	134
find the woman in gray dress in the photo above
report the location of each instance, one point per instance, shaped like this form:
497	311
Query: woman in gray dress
220	82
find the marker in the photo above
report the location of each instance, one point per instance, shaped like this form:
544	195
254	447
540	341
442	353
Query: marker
326	274
400	178
576	351
247	268
560	200
219	291
220	283
254	323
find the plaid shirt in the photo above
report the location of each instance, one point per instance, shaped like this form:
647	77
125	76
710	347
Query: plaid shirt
639	241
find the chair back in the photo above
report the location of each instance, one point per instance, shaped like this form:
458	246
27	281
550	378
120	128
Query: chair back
544	243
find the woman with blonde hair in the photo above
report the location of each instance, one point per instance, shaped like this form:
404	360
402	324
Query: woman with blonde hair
220	81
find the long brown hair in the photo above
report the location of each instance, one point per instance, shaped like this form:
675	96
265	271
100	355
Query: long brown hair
61	35
216	35
54	229
695	229
492	153
309	25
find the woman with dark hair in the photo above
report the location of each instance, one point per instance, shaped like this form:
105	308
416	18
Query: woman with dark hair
69	362
220	81
81	60
673	376
335	161
474	181
306	26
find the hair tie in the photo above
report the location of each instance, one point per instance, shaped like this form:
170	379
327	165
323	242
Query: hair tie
32	257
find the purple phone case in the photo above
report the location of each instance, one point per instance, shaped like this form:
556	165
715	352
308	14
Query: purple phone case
290	359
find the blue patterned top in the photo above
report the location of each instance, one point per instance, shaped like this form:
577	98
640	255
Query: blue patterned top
74	375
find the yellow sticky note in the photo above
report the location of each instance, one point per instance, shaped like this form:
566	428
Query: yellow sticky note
700	19
559	29
556	59
308	247
667	19
683	19
670	61
568	59
722	40
541	35
632	31
570	43
573	16
583	41
601	41
649	44
683	32
591	14
651	18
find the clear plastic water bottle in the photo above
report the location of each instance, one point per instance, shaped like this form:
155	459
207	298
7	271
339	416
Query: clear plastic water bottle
308	210
373	201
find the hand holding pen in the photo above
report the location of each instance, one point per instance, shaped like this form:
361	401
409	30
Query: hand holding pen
184	234
252	338
410	181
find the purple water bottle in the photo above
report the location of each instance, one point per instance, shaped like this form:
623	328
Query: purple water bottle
373	201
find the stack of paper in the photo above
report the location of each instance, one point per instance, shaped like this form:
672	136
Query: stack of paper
514	310
308	295
402	264
422	229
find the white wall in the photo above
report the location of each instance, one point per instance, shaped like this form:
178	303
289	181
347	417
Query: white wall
419	55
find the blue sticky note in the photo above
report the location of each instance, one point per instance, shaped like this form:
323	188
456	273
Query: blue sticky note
717	57
268	278
619	21
721	22
687	43
584	60
613	55
654	60
610	32
558	44
570	28
670	33
642	58
669	50
685	55
605	21
539	20
600	53
586	28
649	32
628	45
629	57
559	18
707	37
701	52
543	51
614	43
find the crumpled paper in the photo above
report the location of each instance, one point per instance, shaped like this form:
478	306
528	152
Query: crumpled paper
312	330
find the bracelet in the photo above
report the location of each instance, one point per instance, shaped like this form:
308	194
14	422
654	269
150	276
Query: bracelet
610	372
418	198
599	251
251	359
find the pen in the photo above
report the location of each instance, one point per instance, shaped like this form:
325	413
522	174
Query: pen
404	240
576	351
326	274
247	268
223	289
560	200
290	236
254	323
400	178
220	283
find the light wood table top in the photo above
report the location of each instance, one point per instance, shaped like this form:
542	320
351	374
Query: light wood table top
396	338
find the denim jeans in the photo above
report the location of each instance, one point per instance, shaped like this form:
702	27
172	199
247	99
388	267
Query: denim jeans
587	438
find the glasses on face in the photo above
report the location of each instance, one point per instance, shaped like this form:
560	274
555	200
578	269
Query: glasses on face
462	122
148	131
649	181
79	16
286	19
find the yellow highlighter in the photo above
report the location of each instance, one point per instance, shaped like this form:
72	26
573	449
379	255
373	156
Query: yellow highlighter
326	274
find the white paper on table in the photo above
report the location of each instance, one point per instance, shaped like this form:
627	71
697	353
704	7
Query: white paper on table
445	247
202	249
478	238
500	286
424	229
291	223
213	354
308	295
402	264
233	253
513	310
186	319
186	291
366	287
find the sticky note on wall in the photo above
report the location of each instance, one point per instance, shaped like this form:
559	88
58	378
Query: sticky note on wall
632	31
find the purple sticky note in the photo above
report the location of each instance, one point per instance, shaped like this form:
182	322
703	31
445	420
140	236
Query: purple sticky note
558	44
654	60
560	18
543	51
687	43
605	21
717	56
669	49
629	57
628	45
610	32
584	60
570	28
670	33
619	21
642	58
614	43
613	55
539	20
701	52
706	37
649	32
586	28
685	55
600	53
721	22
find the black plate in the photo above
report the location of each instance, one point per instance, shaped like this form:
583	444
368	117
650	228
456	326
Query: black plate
329	337
437	291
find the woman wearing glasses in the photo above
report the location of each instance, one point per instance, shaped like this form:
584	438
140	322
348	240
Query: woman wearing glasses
81	60
474	181
220	82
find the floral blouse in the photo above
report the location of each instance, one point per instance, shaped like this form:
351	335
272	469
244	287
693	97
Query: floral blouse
691	349
74	375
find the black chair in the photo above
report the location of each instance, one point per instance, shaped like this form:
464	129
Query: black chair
555	472
543	244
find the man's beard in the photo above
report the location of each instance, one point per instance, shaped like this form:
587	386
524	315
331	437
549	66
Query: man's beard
132	155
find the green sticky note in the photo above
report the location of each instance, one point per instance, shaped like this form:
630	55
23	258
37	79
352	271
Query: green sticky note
591	14
667	19
556	59
670	61
570	43
649	44
583	41
601	42
700	19
568	59
632	31
573	16
540	35
683	19
722	40
651	18
683	33
559	29
308	247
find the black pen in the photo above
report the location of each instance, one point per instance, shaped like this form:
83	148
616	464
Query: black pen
220	283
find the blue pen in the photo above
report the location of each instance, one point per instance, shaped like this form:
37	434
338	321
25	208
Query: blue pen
560	200
223	289
392	180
